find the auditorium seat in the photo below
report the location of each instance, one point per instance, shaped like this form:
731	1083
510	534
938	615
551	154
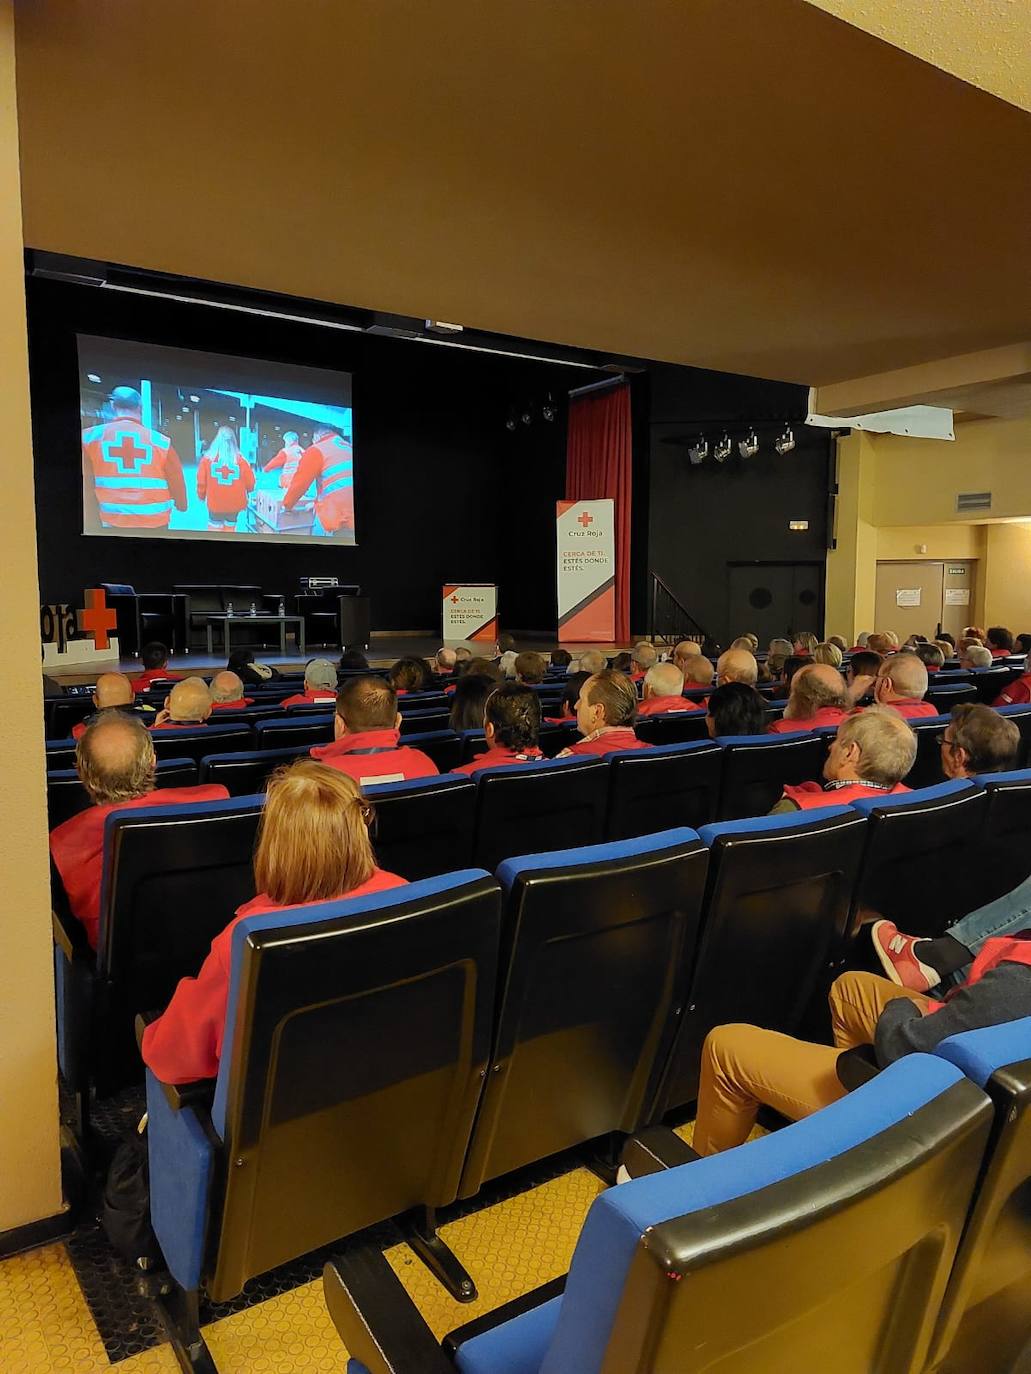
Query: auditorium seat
172	878
601	943
1007	827
823	1246
423	827
442	746
1020	715
293	733
554	738
357	1035
245	773
537	807
945	695
775	916
991	681
66	795
425	722
672	784
423	701
756	768
923	857
196	741
927	767
60	754
672	729
247	715
63	713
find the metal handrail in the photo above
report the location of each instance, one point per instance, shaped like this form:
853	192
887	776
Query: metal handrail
670	621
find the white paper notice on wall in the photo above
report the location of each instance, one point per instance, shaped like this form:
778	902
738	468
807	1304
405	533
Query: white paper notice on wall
957	596
907	596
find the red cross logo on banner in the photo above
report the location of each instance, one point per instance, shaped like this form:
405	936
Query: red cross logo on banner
584	519
454	601
129	456
98	617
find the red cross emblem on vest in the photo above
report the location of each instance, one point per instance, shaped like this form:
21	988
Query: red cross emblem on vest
128	456
226	473
97	618
584	519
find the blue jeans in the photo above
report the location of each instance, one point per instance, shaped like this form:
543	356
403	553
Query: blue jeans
1001	917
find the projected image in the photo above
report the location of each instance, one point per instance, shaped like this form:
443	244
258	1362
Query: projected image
194	445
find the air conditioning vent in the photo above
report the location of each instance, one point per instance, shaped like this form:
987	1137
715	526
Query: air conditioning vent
967	501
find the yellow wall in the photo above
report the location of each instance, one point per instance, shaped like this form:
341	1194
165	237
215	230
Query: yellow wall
30	1186
1006	579
930	541
852	564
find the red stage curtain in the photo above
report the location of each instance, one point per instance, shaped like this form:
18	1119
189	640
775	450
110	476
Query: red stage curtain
598	468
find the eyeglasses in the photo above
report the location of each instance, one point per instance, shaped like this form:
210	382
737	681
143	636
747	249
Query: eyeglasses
943	740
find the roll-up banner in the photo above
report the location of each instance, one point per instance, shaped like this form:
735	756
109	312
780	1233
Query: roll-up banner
470	612
586	571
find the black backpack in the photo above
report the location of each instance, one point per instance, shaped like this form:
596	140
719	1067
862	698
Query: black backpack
125	1208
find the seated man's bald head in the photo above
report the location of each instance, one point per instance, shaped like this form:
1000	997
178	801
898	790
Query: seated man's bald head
737	665
115	758
190	700
113	689
902	675
226	686
663	680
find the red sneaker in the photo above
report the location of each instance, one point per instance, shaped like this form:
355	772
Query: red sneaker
898	960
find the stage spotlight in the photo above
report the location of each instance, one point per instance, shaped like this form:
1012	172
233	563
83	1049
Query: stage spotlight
749	445
786	442
548	409
698	452
527	416
723	448
510	423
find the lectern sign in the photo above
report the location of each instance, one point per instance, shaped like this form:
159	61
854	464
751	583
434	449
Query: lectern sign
470	611
586	571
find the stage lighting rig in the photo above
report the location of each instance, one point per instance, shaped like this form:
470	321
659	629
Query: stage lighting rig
786	442
723	448
749	445
698	451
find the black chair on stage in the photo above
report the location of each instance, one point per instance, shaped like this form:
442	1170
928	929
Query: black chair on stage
196	741
145	616
681	728
533	808
357	1035
773	927
601	943
672	784
294	732
923	858
66	796
756	769
823	1246
927	767
172	878
442	746
246	773
423	827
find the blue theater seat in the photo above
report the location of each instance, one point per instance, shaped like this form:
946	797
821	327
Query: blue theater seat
60	754
536	807
63	713
66	795
600	942
293	732
943	696
357	1034
1020	715
424	721
824	1246
672	784
423	827
923	860
196	741
757	767
775	916
247	772
1007	826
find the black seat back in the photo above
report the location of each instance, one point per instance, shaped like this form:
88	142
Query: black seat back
681	728
246	773
195	742
944	696
672	784
775	915
66	796
62	713
597	945
756	769
1021	718
992	681
422	722
531	808
927	767
355	1047
424	827
1007	826
60	754
294	732
442	746
554	738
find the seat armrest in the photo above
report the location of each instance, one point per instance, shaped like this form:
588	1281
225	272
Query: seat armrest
655	1149
377	1321
200	1093
70	936
856	1066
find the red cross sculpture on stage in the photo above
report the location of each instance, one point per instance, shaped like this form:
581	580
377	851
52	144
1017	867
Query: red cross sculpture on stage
98	617
584	519
129	455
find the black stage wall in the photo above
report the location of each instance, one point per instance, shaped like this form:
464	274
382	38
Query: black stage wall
443	490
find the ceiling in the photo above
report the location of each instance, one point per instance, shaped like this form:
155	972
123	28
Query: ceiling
757	188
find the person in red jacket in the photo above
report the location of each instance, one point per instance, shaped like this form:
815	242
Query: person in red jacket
227	692
869	756
818	697
320	685
288	459
663	692
112	692
115	762
328	462
154	657
605	712
643	657
133	474
313	846
1016	694
901	684
187	706
367	730
224	479
1000	641
511	723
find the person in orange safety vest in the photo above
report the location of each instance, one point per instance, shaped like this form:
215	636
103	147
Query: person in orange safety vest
287	459
224	477
328	463
136	473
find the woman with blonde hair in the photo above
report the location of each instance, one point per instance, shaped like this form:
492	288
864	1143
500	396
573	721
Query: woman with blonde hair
805	643
224	478
827	653
313	846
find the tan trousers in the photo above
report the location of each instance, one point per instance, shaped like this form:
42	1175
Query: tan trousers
744	1067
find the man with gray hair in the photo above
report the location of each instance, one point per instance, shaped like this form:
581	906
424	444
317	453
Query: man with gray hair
227	692
976	656
187	704
663	692
901	683
320	685
869	756
642	657
737	665
445	660
687	648
593	661
781	648
116	765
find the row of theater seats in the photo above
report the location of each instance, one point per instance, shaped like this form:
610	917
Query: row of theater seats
389	1056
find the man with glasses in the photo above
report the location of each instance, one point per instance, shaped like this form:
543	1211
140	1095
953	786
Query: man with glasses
977	740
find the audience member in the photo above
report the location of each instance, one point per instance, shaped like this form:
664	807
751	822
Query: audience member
735	709
871	753
805	643
742	643
687	648
827	653
188	704
663	692
154	657
444	662
1016	693
975	632
115	763
623	663
698	672
753	641
770	669
1000	641
408	675
863	668
642	658
879	644
780	648
818	698
862	641
352	661
947	649
593	661
561	658
570	696
468	700
901	683
113	691
463	654
506	655
366	731
839	643
511	724
320	685
1023	644
931	657
978	740
530	668
241	662
227	692
974	656
605	712
944	635
737	665
313	846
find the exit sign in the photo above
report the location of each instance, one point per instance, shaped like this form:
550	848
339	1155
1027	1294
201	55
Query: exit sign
956	572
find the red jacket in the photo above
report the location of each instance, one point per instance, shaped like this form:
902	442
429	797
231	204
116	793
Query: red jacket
371	756
811	796
609	740
137	475
142	682
999	653
498	757
77	847
311	696
826	715
224	485
185	1043
662	706
1016	694
911	709
329	464
236	705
